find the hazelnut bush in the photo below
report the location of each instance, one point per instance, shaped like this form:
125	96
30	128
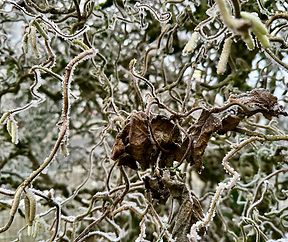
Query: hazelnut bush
144	120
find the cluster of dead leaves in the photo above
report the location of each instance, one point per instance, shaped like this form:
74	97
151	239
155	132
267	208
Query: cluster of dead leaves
163	185
142	140
146	141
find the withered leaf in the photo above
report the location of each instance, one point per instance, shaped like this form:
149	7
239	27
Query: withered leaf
121	141
258	100
180	151
168	137
156	188
139	140
177	189
118	148
133	143
229	123
201	133
165	132
142	142
259	96
189	212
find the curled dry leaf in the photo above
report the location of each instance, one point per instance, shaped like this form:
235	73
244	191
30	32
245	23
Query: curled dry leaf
165	132
144	142
156	189
168	137
133	142
229	123
140	143
190	210
258	100
201	132
138	138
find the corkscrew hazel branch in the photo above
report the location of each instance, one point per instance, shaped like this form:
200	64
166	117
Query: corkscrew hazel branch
163	18
142	233
12	126
252	206
138	76
50	23
275	59
159	222
193	236
284	170
176	90
61	135
113	237
50	62
109	209
22	9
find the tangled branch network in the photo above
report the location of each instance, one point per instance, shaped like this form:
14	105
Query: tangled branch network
143	120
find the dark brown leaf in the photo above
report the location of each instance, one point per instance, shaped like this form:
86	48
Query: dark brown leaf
168	138
118	148
140	143
189	212
139	136
201	133
258	100
165	132
156	188
229	123
127	160
133	143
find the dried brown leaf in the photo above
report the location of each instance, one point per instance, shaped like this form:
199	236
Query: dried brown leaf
229	123
139	140
133	143
159	193
201	133
118	148
190	210
258	100
168	138
165	132
140	143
